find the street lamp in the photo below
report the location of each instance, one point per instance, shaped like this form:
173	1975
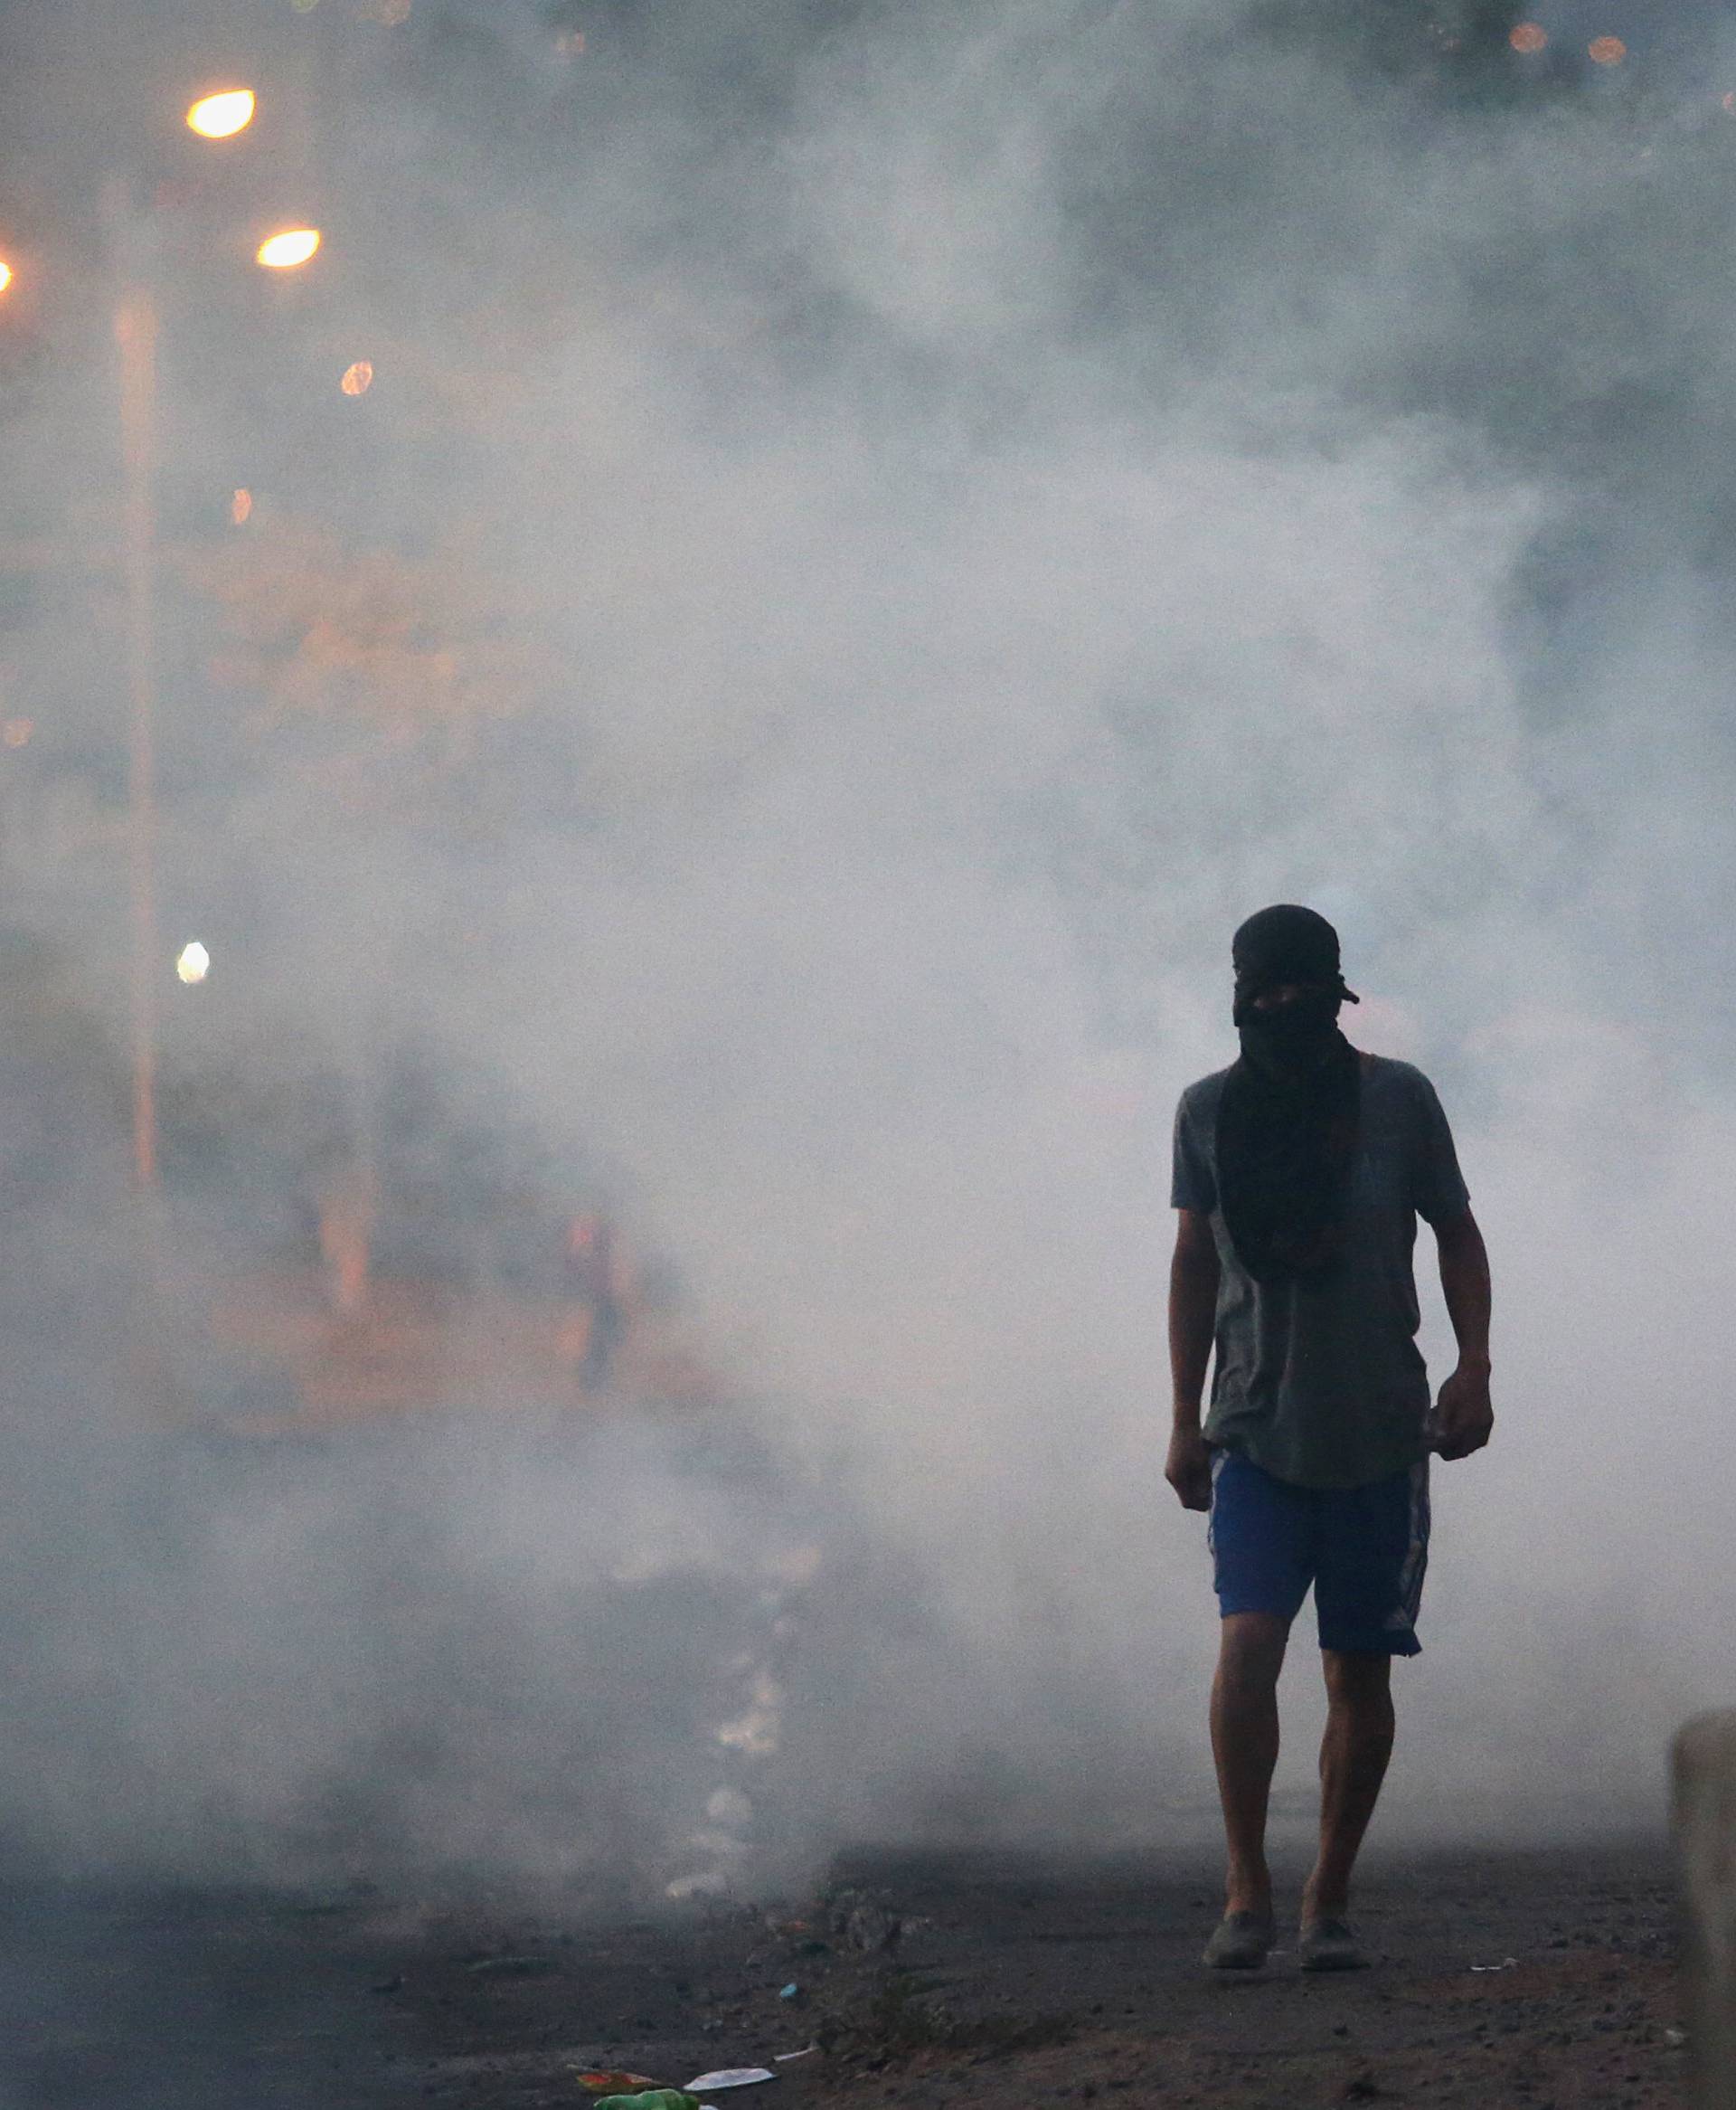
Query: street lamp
218	115
222	115
288	250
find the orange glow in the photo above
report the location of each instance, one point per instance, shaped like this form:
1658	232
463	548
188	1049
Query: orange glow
1608	51
221	116
5	275
283	253
1529	36
16	732
357	378
240	506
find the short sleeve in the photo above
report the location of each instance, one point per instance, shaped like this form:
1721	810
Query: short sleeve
1438	1187
1190	1184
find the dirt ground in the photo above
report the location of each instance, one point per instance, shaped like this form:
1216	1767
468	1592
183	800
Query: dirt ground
952	1980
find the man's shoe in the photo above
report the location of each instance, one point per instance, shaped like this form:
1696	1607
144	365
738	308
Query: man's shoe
1328	1945
1240	1941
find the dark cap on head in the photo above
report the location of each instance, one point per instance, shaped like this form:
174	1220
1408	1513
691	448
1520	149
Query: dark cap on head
1286	943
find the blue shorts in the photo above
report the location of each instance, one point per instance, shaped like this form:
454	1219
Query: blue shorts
1364	1548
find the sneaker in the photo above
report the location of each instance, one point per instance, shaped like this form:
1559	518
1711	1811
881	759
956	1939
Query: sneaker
1328	1945
1240	1941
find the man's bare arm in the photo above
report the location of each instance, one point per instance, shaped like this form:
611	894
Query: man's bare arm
1192	1317
1463	1418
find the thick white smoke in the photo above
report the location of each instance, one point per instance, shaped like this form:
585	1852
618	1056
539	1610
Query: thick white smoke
1016	490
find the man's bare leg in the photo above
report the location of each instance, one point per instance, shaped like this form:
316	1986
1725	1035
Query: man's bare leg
1354	1753
1244	1743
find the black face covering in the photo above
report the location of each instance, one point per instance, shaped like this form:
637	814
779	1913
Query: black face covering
1288	1117
1294	1038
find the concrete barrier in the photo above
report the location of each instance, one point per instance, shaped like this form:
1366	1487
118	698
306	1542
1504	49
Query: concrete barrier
1704	1809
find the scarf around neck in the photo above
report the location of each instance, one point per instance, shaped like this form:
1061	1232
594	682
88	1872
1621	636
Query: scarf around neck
1286	1130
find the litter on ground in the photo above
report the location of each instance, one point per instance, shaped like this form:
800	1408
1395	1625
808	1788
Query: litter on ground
651	2099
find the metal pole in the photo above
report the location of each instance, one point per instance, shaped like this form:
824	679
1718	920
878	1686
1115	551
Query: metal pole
136	334
1704	1810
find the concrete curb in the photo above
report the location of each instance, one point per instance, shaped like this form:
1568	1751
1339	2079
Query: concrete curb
1703	1807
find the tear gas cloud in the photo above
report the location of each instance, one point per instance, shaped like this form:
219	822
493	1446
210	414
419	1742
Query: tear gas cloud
904	525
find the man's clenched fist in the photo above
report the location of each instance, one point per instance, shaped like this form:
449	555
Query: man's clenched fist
1189	1469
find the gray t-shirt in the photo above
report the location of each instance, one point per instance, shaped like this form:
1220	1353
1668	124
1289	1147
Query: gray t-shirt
1323	1384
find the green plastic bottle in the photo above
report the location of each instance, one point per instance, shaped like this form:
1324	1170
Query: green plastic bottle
652	2100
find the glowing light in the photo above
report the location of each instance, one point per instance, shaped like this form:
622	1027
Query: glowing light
16	732
193	964
1607	52
283	253
357	378
5	275
1528	36
241	507
221	116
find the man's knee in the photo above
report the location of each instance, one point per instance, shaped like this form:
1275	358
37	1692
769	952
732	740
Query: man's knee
1356	1678
1250	1648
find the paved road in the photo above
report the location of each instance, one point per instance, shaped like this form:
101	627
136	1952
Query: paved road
1015	1981
164	1999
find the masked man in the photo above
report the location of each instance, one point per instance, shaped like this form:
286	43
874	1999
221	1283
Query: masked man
1299	1174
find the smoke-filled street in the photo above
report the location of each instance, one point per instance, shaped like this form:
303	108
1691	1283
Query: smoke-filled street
975	1980
649	653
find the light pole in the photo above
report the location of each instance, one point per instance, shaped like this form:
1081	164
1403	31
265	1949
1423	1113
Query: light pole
217	115
136	332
